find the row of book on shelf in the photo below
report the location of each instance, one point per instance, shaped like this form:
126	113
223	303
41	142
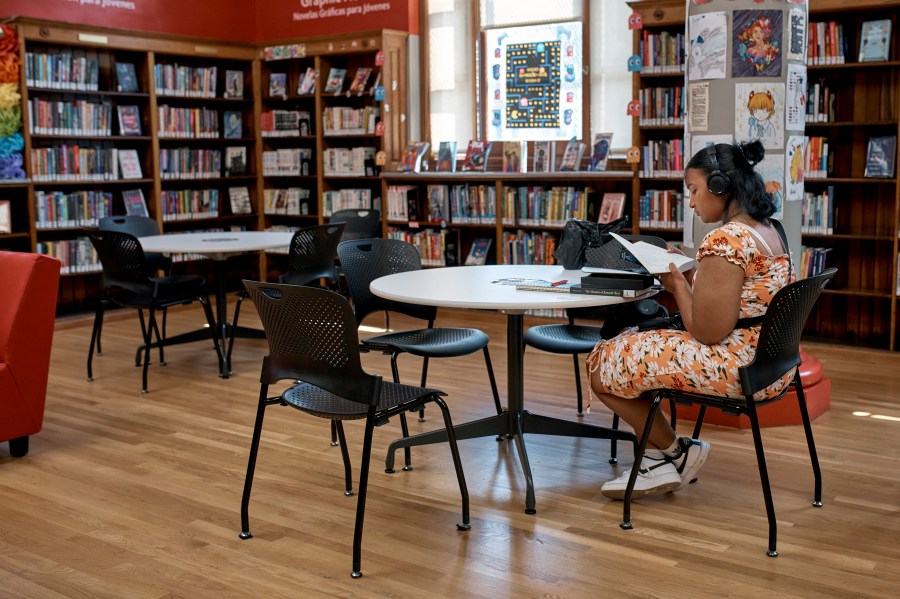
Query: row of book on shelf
84	163
334	83
817	212
661	106
829	43
514	156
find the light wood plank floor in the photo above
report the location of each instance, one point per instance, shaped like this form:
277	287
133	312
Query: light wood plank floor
130	495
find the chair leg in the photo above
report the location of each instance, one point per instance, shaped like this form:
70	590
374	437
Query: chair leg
363	485
638	457
699	423
490	369
237	312
137	355
579	402
334	439
160	337
345	455
424	378
613	443
763	476
807	427
18	447
673	415
251	463
100	332
457	464
148	339
407	453
95	339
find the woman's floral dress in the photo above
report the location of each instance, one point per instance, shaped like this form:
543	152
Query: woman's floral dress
634	362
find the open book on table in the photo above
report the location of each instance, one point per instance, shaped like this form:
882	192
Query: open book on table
655	259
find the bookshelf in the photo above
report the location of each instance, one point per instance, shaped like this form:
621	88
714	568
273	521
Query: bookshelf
522	213
861	306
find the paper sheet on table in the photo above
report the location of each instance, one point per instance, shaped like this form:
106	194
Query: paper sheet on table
655	259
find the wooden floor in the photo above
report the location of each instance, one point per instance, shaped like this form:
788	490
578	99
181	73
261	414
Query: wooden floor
137	496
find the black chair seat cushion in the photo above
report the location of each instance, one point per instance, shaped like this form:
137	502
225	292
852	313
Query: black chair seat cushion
563	338
318	402
433	343
173	290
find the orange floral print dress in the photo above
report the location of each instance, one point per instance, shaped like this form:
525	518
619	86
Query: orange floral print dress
634	362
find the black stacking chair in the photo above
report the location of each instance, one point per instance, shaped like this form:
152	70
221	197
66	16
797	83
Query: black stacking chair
365	260
358	223
128	282
312	339
576	339
139	226
312	256
777	352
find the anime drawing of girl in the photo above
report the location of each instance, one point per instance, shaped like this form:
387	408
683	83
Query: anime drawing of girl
761	107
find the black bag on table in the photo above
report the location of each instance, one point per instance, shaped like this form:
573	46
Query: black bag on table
579	235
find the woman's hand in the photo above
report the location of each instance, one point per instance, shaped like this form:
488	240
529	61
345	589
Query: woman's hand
674	281
688	274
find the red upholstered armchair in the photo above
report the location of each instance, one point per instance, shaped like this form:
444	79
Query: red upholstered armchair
27	313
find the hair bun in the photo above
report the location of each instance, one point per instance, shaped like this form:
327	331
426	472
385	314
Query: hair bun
753	152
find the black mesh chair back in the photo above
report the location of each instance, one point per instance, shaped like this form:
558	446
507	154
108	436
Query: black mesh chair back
129	282
313	341
312	254
365	260
139	226
613	255
777	352
312	336
358	223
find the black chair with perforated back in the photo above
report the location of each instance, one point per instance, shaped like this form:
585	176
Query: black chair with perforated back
777	352
129	282
312	256
359	223
139	226
365	260
312	338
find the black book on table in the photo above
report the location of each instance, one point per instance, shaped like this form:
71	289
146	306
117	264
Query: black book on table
617	281
612	292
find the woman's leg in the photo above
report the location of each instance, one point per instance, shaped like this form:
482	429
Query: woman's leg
634	411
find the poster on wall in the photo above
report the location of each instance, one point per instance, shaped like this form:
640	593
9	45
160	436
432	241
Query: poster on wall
793	164
771	168
706	59
795	102
757	43
534	82
759	113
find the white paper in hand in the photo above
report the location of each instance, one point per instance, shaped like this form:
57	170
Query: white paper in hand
655	259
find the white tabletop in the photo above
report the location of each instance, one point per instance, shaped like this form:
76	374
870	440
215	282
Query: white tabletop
475	287
217	245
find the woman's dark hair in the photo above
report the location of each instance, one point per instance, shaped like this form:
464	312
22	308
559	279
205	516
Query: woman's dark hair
736	161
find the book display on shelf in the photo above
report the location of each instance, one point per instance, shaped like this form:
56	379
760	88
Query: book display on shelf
358	85
232	126
239	198
126	77
612	207
544	157
479	251
5	217
135	205
304	127
446	158
515	156
571	159
412	157
278	85
881	157
307	83
335	81
875	41
477	154
600	151
234	84
129	120
130	164
235	161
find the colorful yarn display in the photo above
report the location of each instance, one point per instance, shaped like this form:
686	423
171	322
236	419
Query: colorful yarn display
9	95
11	167
9	68
8	41
11	144
10	120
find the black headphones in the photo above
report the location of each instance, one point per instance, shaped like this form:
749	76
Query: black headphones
718	182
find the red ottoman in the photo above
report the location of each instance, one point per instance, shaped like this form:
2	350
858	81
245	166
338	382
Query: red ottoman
816	389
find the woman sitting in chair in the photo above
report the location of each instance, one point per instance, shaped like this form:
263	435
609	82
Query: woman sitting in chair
741	265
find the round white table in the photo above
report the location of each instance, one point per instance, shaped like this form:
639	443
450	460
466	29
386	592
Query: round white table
217	246
482	287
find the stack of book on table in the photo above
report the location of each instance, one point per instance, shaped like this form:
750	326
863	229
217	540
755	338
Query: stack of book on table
616	283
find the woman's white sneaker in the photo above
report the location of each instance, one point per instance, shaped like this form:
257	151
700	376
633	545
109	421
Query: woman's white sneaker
690	462
657	475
